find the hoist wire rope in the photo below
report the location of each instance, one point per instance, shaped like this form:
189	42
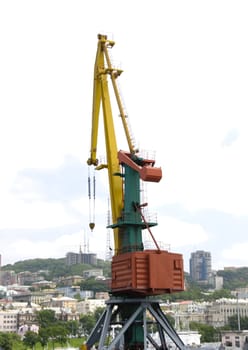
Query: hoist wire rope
92	196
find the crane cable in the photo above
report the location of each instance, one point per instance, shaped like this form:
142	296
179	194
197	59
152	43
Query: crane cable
91	189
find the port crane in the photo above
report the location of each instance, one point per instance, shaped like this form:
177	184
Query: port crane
139	275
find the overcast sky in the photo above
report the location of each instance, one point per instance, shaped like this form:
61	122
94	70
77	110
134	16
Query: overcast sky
185	88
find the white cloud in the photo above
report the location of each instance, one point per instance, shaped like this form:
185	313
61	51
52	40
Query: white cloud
17	214
22	249
232	256
205	176
238	251
178	233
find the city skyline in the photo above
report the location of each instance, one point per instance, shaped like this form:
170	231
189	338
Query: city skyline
77	257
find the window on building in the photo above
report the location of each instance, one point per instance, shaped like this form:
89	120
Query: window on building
228	342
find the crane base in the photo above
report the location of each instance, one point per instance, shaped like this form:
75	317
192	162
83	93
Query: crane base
130	324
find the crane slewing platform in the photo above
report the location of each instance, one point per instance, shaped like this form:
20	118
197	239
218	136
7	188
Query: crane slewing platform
139	276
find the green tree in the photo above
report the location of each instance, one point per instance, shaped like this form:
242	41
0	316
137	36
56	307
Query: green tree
87	323
30	339
77	296
55	267
92	284
98	312
208	333
170	319
194	292
7	340
234	279
218	294
43	337
72	327
58	333
233	322
46	318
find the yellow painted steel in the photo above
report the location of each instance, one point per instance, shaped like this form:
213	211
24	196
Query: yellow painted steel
101	97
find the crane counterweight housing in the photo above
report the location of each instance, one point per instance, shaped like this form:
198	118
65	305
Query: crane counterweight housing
147	272
152	272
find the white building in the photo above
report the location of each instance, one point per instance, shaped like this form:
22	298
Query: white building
8	321
92	273
231	340
218	313
89	305
189	338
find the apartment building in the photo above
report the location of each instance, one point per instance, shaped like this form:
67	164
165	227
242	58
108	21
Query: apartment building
9	321
81	258
89	305
93	273
62	303
200	266
8	278
42	296
73	291
27	317
185	312
215	313
27	277
234	340
71	280
218	312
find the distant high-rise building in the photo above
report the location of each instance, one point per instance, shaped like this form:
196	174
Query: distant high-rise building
81	258
72	258
200	266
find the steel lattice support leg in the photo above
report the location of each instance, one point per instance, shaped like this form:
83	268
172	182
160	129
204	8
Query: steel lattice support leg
133	317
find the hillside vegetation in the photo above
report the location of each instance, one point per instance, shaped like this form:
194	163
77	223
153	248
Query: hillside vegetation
55	267
234	278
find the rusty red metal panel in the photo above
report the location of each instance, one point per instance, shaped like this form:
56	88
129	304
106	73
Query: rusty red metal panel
149	272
